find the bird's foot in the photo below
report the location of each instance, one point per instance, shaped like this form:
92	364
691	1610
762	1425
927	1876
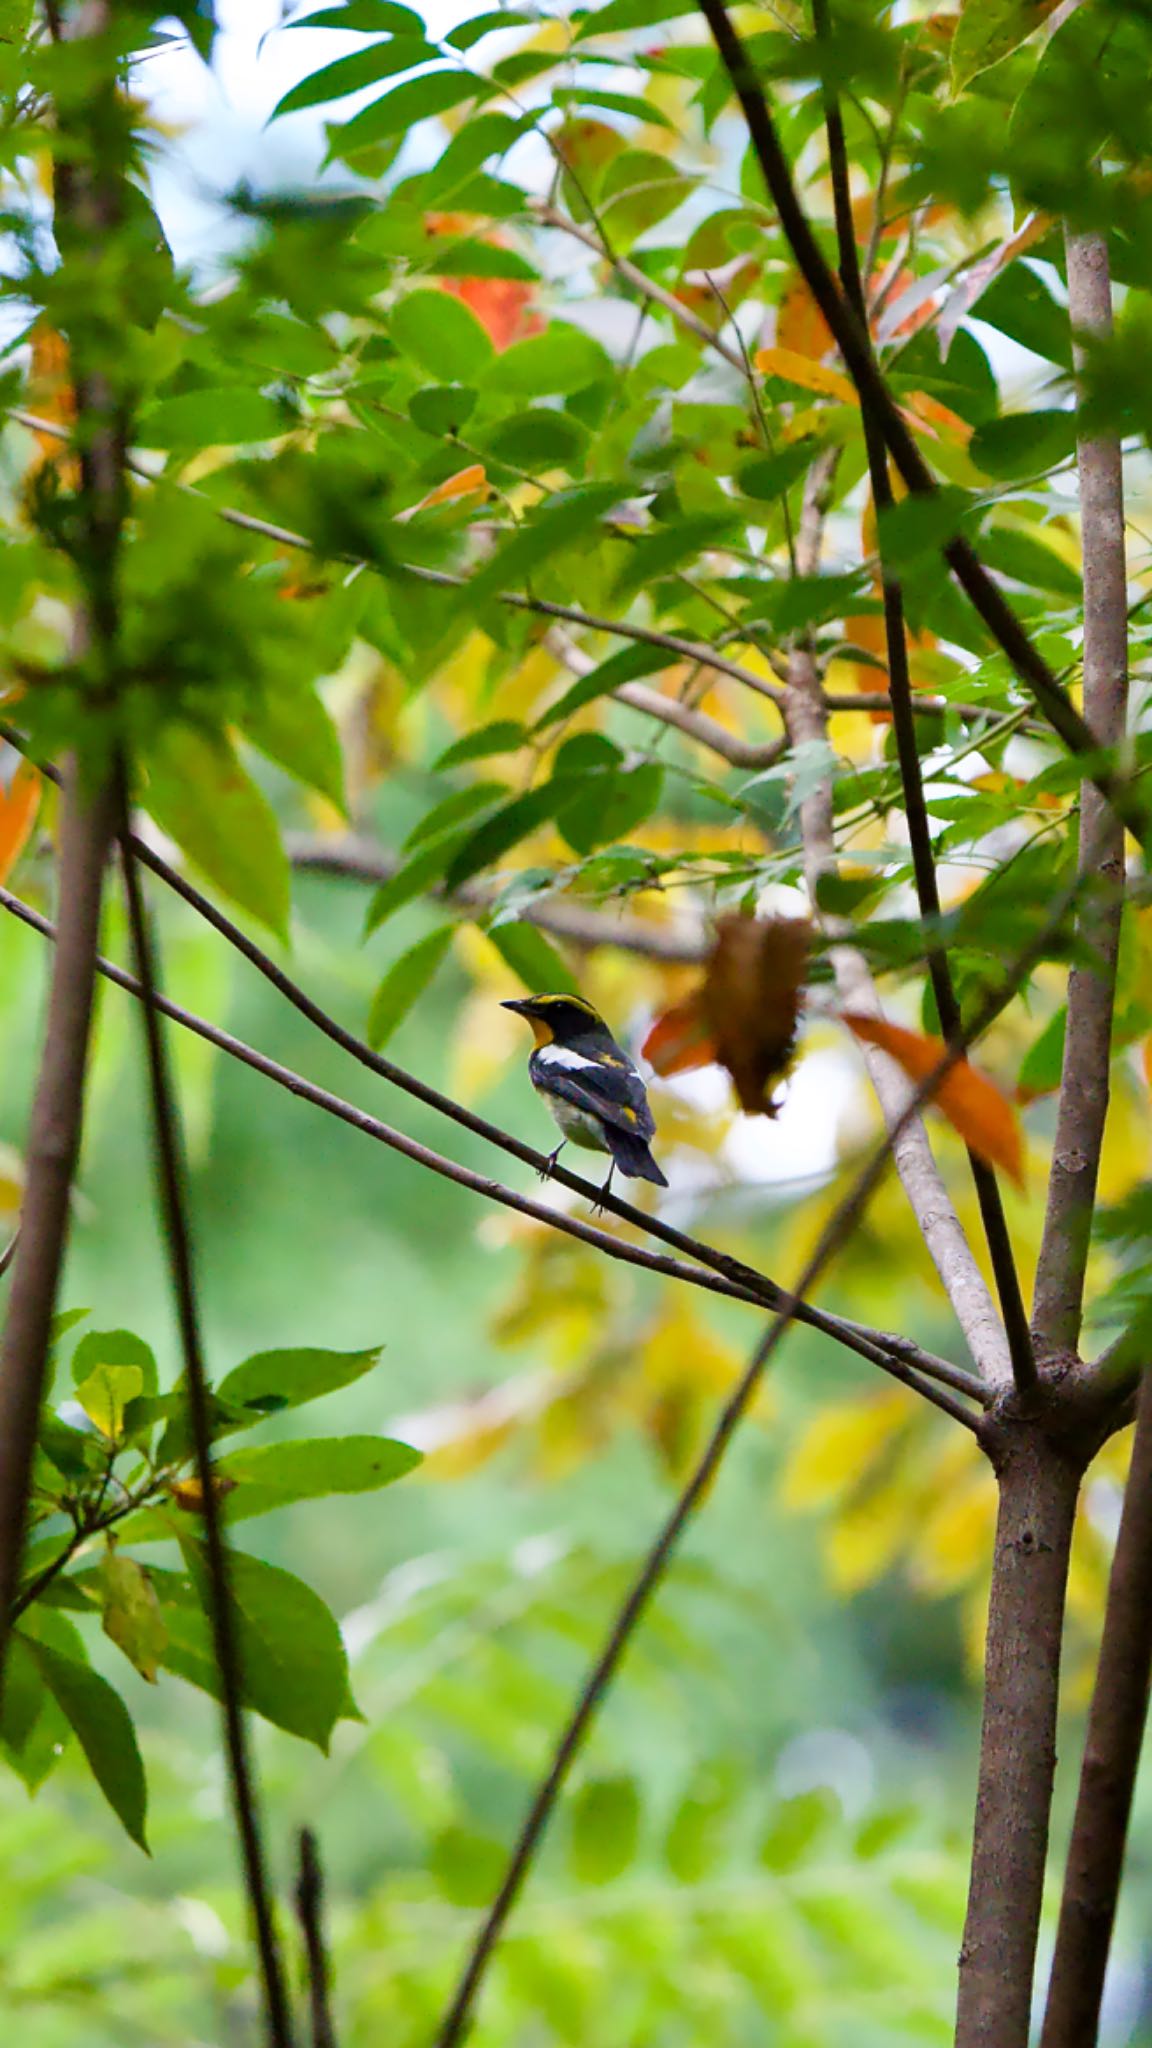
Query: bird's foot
606	1190
549	1166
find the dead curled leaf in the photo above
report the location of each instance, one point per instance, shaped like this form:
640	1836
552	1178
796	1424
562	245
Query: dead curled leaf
746	1012
972	1103
189	1493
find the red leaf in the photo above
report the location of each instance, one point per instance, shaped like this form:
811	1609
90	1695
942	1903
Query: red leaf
973	1104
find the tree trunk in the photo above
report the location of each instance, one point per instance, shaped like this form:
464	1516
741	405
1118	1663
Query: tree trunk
1038	1490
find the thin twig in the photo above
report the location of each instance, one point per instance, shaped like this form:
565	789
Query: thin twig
1112	1749
908	754
855	346
756	1285
362	860
1083	1102
920	1177
310	1911
9	1251
672	644
222	1612
836	1232
893	1355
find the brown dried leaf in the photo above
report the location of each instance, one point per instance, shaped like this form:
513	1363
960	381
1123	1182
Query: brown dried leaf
751	999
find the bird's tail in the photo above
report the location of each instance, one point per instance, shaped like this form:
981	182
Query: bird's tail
632	1156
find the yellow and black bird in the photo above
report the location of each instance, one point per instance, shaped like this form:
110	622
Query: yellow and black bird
590	1085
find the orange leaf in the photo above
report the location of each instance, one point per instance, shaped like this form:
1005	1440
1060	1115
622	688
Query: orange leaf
465	481
801	326
939	419
798	369
18	806
501	304
680	1039
972	1103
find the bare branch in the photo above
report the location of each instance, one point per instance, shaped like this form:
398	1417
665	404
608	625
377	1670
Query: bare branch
835	1234
9	1251
222	1614
908	754
855	346
361	860
894	1355
930	1202
310	1912
1083	1105
53	1146
1112	1748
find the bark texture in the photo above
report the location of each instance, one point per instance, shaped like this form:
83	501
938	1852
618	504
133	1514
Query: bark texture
1038	1490
1110	1763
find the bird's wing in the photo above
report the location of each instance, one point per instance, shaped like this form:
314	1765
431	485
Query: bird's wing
615	1093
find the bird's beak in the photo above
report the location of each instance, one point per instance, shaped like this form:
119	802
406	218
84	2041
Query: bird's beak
523	1006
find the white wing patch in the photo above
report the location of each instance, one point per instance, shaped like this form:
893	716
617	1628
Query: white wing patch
563	1056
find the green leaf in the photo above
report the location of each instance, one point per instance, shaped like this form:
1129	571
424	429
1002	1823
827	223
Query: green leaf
605	1829
919	526
271	1380
1019	304
767	477
1024	443
524	948
614	103
609	806
199	794
538	439
131	1613
794	1828
365	17
115	1347
106	1392
695	1840
352	74
442	408
424	871
618	15
470	32
562	360
103	1729
467	256
801	601
72	1451
442	334
395	112
638	189
405	983
273	1475
506	828
465	1866
454	809
1029	561
503	736
989	30
622	667
1043	1063
291	725
23	1697
218	418
561	520
292	1657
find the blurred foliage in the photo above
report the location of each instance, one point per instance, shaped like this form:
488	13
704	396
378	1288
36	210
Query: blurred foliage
556	355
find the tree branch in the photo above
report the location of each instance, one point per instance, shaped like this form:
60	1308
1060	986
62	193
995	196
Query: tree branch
360	859
1112	1748
1039	1482
222	1613
310	1912
1083	1104
931	1205
838	1229
85	211
908	754
893	1355
855	346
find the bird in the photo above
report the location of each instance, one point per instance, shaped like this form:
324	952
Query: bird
590	1086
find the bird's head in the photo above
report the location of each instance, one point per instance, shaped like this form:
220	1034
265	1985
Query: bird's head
559	1020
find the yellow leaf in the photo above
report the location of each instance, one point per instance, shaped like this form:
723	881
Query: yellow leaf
868	1539
955	1535
811	376
972	1103
839	1446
